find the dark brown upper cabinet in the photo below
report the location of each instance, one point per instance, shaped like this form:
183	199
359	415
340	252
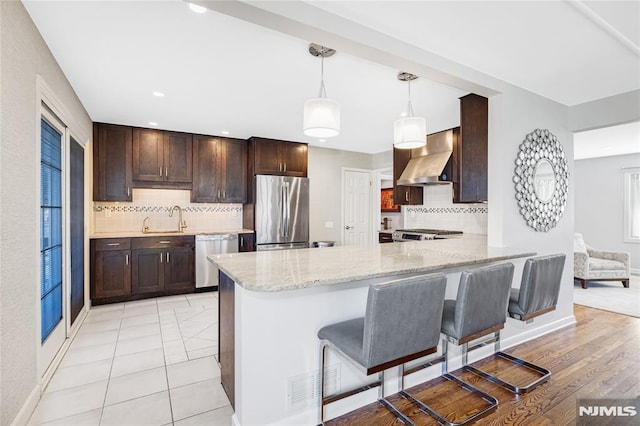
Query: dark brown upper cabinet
471	151
276	157
162	159
404	195
112	180
219	170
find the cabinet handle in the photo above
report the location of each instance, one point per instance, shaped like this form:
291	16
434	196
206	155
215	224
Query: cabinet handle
167	257
166	173
113	244
160	257
160	171
128	191
164	242
285	167
406	195
126	259
224	195
279	167
218	193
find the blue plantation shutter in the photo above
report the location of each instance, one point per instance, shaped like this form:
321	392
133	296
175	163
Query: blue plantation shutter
50	228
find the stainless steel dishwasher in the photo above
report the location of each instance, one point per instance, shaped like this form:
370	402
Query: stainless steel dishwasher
208	244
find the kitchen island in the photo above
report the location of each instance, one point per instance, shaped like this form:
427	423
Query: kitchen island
273	303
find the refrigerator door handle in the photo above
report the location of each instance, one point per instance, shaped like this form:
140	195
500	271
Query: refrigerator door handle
287	209
283	232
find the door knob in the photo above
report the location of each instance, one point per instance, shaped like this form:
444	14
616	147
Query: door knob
348	227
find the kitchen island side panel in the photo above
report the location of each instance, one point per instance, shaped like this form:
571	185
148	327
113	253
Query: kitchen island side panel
226	331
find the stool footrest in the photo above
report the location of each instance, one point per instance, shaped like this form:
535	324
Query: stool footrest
493	403
399	414
346	394
544	374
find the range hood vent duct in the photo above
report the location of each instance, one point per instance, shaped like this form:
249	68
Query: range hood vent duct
427	163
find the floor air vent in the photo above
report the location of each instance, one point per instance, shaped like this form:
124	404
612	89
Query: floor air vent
304	390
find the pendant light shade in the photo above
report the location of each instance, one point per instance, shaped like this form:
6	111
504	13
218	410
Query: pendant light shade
321	117
322	114
410	131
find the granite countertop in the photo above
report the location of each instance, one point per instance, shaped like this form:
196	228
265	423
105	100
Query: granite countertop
133	234
294	269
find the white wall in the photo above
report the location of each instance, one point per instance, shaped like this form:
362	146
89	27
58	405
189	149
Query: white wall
325	190
599	203
23	54
512	115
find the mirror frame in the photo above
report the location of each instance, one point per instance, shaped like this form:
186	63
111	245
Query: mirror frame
536	146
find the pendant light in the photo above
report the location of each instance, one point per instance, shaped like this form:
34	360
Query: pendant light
410	131
321	114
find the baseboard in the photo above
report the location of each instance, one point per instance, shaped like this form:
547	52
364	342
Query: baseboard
635	271
535	332
22	418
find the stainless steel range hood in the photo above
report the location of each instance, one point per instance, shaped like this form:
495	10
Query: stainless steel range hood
428	162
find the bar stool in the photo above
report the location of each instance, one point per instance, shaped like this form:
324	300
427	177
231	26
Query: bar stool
401	323
537	295
479	309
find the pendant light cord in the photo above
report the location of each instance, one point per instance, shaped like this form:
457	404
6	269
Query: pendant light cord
409	105
323	91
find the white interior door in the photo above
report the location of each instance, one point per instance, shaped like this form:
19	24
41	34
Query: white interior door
356	206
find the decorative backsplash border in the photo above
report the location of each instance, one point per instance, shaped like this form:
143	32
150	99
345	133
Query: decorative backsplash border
440	210
165	209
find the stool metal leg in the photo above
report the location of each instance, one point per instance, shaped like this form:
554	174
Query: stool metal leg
493	402
544	373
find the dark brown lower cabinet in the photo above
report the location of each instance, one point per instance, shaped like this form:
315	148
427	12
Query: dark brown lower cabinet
110	268
227	336
247	242
135	268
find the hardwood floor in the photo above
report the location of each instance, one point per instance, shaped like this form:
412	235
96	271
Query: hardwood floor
595	358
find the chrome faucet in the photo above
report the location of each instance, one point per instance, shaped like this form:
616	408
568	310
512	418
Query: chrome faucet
181	223
145	226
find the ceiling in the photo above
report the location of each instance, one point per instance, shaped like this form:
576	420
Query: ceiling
224	74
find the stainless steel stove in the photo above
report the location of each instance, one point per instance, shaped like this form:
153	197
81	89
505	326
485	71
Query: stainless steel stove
422	234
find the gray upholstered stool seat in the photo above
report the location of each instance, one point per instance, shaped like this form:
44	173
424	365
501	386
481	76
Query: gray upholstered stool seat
401	323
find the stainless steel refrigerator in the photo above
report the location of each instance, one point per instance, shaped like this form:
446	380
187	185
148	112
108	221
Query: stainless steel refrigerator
281	212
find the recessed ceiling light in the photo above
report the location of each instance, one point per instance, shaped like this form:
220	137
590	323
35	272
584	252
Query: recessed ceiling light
153	123
158	94
225	132
403	114
196	8
322	140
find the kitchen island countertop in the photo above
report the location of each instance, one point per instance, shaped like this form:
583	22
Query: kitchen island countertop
168	233
272	271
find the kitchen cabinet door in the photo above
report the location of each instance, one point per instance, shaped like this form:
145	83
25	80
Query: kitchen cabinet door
111	274
179	269
110	268
471	152
232	170
112	164
294	159
267	157
177	157
205	182
147	274
148	156
246	242
404	195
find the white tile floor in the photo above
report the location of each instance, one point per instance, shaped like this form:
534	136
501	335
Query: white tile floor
149	362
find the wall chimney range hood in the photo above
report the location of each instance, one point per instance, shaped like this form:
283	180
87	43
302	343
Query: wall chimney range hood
428	162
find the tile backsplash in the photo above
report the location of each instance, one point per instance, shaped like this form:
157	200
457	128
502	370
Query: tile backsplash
156	204
439	212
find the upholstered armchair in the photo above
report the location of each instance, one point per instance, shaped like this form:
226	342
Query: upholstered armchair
598	265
